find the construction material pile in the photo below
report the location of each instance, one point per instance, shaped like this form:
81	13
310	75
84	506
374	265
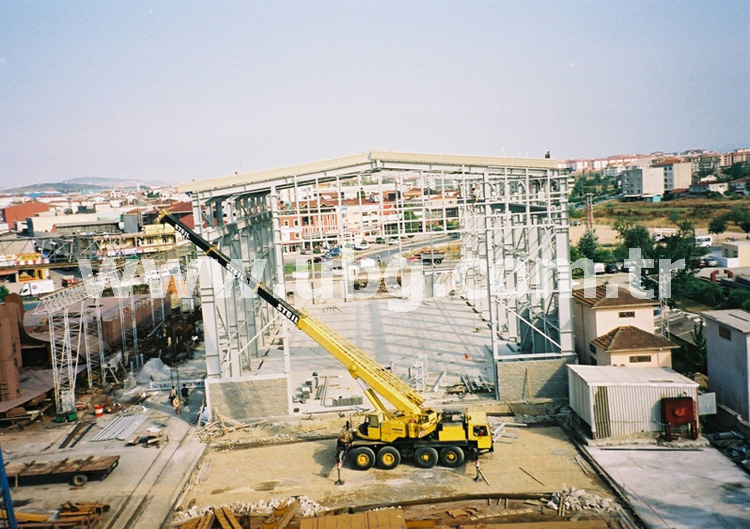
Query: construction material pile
71	515
307	507
568	500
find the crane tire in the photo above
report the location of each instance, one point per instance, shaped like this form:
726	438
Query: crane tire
363	458
388	458
452	456
425	457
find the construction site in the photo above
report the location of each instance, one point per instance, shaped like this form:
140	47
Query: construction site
376	341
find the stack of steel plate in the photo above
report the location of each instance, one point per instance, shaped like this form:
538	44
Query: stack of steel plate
120	429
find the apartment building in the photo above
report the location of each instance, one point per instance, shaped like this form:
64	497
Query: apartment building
643	182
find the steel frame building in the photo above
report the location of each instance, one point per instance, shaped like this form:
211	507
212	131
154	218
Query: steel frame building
512	214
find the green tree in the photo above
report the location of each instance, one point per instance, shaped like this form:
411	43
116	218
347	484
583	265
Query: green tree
674	217
411	222
588	244
3	292
718	226
633	236
574	212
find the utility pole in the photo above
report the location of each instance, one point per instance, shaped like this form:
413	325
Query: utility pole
589	211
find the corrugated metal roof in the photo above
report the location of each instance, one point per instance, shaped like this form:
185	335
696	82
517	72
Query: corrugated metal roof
372	157
630	376
735	318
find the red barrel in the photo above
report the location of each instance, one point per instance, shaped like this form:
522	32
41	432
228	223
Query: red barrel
98	410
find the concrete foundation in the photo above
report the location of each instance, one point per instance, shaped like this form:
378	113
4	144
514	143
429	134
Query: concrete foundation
525	380
249	398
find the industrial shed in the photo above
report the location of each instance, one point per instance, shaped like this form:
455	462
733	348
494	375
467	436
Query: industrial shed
618	401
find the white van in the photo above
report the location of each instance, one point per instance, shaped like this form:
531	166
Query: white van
704	241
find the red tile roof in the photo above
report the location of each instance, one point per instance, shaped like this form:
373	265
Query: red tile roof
601	301
629	338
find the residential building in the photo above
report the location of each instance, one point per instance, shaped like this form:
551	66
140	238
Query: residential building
18	213
677	175
628	345
643	182
728	360
601	313
702	188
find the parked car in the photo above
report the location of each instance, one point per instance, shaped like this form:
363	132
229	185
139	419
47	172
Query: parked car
393	240
611	268
711	261
362	245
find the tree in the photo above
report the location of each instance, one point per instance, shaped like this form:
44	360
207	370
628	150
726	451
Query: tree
412	223
633	236
744	224
718	226
674	217
3	292
588	244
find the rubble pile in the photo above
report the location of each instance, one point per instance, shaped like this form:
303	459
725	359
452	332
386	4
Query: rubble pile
579	500
733	445
308	507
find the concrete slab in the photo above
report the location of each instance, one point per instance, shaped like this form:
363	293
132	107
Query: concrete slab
451	335
540	460
696	489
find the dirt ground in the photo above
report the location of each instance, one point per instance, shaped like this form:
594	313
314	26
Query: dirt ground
540	460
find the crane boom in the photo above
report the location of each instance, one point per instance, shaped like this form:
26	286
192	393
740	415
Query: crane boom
382	383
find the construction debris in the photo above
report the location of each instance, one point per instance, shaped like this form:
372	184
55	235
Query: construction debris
579	500
307	507
281	516
71	516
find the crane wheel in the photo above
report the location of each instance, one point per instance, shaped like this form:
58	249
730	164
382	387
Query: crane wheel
363	458
425	457
451	457
388	458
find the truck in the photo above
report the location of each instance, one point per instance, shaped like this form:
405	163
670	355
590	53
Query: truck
428	256
36	288
405	430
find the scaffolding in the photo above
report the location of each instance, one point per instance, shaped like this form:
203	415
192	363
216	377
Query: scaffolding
75	325
509	214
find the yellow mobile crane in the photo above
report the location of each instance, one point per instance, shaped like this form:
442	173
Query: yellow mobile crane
386	436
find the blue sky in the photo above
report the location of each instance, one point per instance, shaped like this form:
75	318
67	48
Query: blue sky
175	91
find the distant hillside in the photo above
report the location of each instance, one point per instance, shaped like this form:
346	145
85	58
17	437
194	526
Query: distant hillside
56	187
116	183
78	185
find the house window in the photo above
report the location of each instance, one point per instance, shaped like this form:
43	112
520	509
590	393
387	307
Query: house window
640	359
296	222
592	348
725	333
286	223
627	314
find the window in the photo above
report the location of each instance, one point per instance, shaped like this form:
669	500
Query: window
725	332
627	314
640	359
286	223
592	348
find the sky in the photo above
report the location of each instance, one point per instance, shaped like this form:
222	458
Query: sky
167	91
